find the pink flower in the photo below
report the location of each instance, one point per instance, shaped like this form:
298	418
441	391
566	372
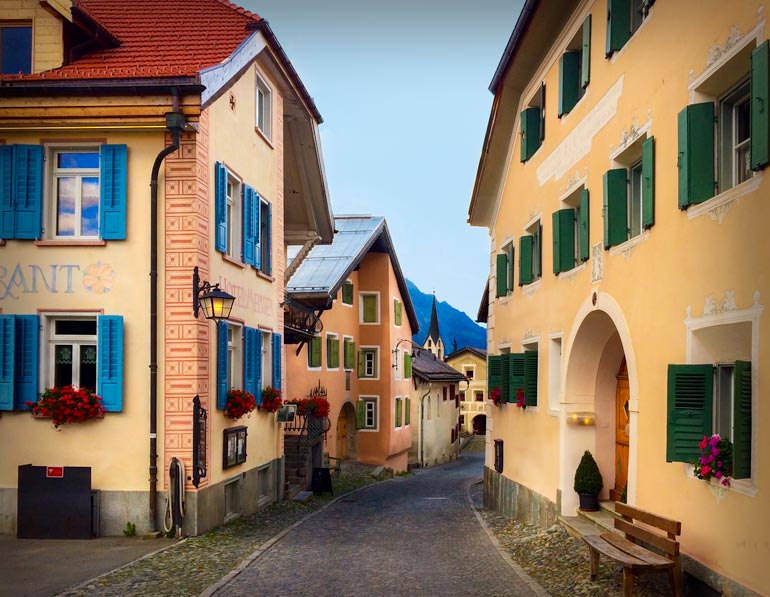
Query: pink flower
705	470
703	442
714	440
719	463
726	482
715	451
718	474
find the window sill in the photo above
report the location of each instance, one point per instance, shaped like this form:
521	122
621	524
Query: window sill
570	274
264	137
742	486
627	247
233	261
718	206
71	243
264	276
532	287
370	323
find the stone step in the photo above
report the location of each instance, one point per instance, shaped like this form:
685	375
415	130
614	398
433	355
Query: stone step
578	526
603	517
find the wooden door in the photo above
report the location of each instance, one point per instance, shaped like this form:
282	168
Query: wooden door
342	435
622	425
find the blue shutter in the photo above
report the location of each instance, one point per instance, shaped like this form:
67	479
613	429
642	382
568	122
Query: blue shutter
268	267
220	207
258	366
250	206
109	383
277	347
222	364
6	191
27	190
27	327
257	231
249	358
7	360
112	192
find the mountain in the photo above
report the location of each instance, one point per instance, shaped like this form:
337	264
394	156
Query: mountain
452	323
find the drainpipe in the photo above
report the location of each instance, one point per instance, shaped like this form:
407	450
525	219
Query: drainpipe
175	123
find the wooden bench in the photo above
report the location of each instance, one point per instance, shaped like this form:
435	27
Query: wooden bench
655	531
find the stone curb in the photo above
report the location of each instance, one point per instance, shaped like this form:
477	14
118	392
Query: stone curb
536	588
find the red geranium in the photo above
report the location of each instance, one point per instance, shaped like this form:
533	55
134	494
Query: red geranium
271	399
312	407
520	399
496	396
239	403
66	404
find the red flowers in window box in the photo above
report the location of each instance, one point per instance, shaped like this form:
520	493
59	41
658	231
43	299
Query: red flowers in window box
496	395
271	399
716	460
312	407
520	403
239	403
66	404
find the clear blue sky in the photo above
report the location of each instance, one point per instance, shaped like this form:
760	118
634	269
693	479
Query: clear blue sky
403	89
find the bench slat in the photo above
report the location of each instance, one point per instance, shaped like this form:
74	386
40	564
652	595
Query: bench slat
637	550
670	546
609	550
664	524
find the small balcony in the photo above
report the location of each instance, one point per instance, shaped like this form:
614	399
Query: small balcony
300	321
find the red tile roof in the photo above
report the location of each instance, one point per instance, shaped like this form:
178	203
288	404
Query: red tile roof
158	38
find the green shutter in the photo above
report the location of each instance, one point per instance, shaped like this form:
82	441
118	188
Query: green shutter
505	376
332	352
398	412
618	25
615	207
349	348
509	273
584	225
502	274
585	56
563	240
525	260
569	82
407	411
407	365
361	363
696	154
648	183
690	417
742	420
530	378
347	293
314	352
360	414
397	311
494	372
530	132
541	111
516	376
370	308
760	108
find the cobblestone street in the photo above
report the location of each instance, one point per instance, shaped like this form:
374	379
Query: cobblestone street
415	535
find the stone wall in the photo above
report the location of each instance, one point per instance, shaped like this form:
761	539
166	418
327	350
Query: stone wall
516	501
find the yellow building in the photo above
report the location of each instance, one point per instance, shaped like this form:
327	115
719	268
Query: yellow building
622	183
472	363
139	141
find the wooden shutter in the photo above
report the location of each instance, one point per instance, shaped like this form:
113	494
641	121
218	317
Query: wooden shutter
530	378
258	366
569	82
361	363
563	240
257	231
350	354
530	132
525	260
494	372
618	25
222	364
347	293
27	190
509	273
585	55
332	352
360	414
277	350
517	377
690	417
502	275
407	411
760	105
249	360
397	311
112	191
648	183
109	338
250	219
398	412
220	207
695	131
742	420
407	365
268	267
615	207
584	225
314	352
7	216
7	361
26	362
370	308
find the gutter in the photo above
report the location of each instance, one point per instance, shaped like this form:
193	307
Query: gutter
99	87
525	16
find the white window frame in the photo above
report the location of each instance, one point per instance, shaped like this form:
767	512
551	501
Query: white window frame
554	372
234	216
50	193
50	338
340	348
534	228
267	358
375	350
264	108
342	356
361	296
352	294
235	341
371	411
309	350
472	369
728	148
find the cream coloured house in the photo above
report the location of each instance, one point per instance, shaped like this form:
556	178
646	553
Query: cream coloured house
474	395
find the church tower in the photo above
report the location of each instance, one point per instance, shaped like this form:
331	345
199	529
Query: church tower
433	342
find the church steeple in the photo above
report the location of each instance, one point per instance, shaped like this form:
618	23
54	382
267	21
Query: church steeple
433	342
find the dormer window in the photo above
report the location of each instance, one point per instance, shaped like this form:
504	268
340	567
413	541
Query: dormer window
15	47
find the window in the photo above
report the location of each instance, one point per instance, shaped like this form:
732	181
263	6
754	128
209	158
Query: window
399	407
370	310
72	353
462	396
444	393
478	396
247	358
233	217
530	254
367	413
512	372
233	490
533	125
734	136
332	351
234	356
367	362
574	69
570	232
499	455
270	360
624	17
462	419
264	108
75	193
264	248
347	293
407	365
349	348
15	48
469	372
505	271
629	194
264	489
407	411
397	308
314	352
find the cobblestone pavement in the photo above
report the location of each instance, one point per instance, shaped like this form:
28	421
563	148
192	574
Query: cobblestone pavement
415	535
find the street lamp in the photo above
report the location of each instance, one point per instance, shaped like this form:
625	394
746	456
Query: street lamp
216	303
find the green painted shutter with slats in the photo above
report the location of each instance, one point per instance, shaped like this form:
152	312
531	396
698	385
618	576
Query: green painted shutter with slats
502	275
585	57
690	417
407	411
695	131
584	225
314	352
398	412
397	311
407	365
360	414
615	207
494	372
505	377
525	260
516	379
760	106
332	352
563	240
541	114
569	82
350	354
370	308
347	293
530	378
648	183
742	420
361	363
509	273
530	132
618	25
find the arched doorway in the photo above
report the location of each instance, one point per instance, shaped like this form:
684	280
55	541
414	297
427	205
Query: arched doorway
480	425
346	432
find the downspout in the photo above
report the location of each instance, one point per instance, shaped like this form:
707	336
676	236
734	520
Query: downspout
175	123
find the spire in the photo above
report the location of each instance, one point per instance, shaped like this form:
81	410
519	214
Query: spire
433	332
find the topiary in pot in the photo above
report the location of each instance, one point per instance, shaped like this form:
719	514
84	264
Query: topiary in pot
588	482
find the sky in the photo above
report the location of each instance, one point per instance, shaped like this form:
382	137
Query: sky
403	88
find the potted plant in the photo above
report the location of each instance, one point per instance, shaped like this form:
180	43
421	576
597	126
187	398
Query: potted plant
271	399
588	483
65	404
239	403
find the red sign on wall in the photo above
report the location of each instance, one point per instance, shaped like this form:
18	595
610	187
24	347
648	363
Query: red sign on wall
54	472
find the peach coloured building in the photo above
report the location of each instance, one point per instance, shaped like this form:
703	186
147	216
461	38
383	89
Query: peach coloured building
139	141
361	354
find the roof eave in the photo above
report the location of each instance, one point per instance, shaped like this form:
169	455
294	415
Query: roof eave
184	85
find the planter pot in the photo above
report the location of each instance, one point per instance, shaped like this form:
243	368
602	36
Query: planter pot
589	502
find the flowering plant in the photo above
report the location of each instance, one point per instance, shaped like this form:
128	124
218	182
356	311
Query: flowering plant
496	396
239	403
312	407
65	404
716	459
271	399
520	403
